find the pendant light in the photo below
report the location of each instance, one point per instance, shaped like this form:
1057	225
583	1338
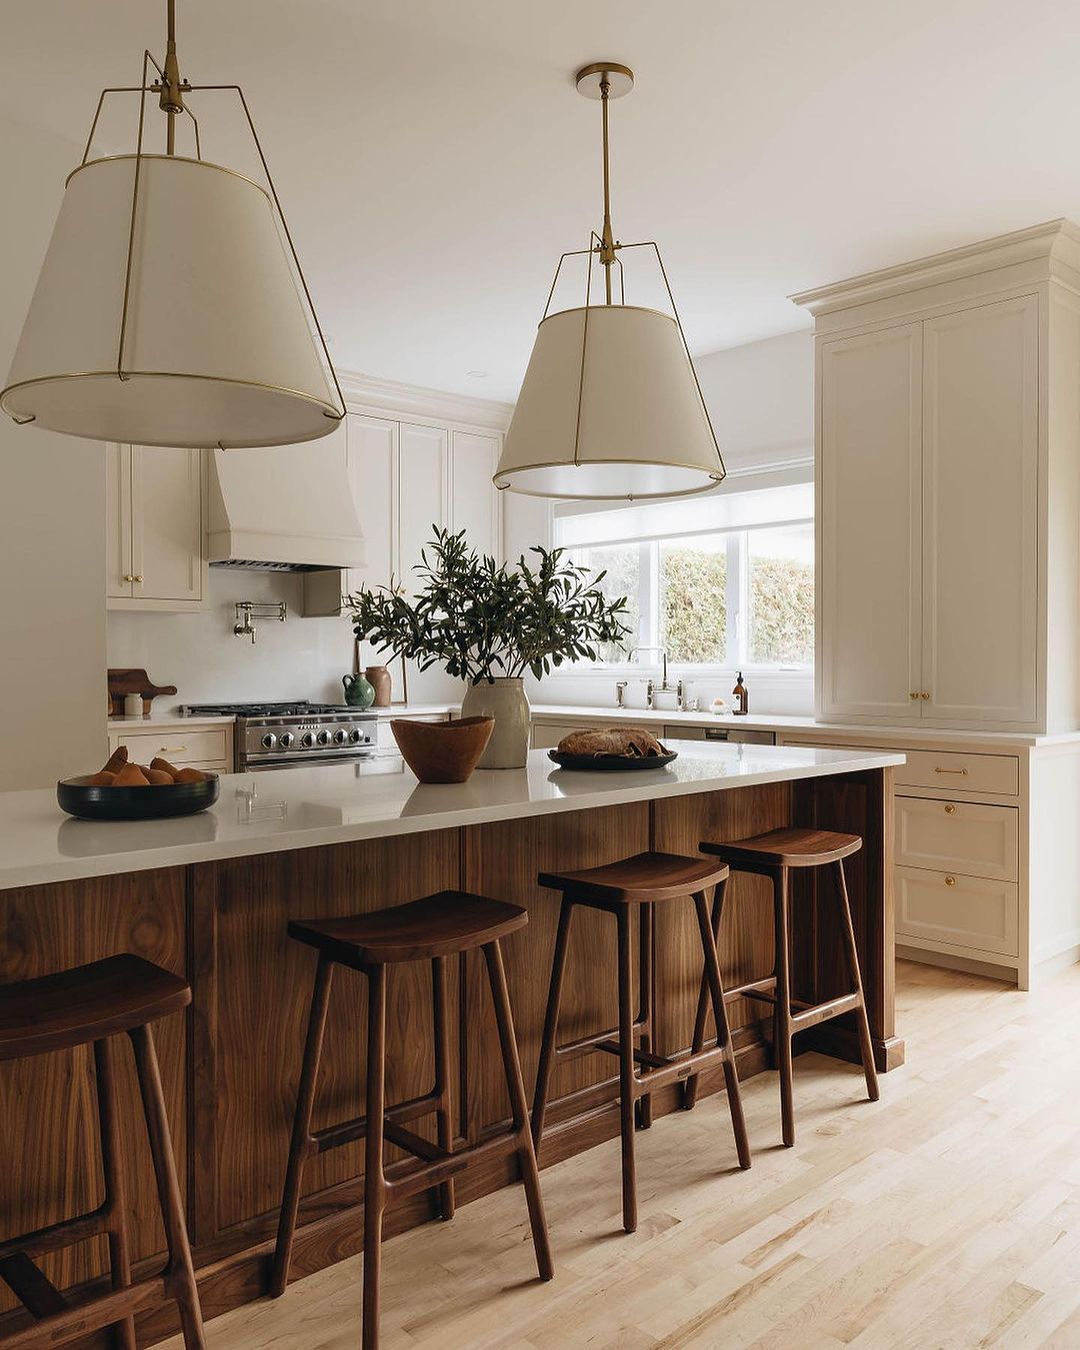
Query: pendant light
171	308
611	406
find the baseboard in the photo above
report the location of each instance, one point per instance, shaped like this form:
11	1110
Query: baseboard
1005	974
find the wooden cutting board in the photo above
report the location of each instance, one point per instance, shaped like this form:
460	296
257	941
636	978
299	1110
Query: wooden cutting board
123	682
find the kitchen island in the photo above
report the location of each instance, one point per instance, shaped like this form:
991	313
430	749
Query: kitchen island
209	897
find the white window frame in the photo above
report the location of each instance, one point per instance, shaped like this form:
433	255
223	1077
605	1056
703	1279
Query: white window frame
649	600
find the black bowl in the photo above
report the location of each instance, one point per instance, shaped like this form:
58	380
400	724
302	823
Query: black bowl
79	797
611	763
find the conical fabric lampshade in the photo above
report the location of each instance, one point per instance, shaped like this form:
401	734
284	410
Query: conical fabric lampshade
218	348
610	408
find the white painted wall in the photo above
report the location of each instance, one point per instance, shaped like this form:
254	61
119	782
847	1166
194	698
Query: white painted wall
52	543
300	658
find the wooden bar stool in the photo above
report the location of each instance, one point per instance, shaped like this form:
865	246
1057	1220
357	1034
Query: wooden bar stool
95	1003
431	929
774	855
619	888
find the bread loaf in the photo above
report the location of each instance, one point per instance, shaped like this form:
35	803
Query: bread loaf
633	742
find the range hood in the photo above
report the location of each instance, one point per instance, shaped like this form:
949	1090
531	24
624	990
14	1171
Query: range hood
285	508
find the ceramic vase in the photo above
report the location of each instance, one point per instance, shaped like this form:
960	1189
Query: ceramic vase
379	677
506	701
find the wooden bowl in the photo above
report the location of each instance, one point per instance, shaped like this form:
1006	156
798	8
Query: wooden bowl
90	801
442	752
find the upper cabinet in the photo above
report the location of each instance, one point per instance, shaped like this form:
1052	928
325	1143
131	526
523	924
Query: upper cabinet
409	477
155	522
948	440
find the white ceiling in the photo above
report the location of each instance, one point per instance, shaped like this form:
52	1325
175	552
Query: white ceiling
434	159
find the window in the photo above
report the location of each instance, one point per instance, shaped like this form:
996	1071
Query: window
722	580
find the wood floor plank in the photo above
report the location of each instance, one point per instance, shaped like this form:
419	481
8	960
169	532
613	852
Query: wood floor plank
944	1217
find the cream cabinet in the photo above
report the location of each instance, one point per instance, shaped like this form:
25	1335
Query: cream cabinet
155	523
408	477
199	746
948	495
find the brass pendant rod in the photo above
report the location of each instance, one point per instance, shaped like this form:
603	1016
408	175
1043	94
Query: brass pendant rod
172	87
607	243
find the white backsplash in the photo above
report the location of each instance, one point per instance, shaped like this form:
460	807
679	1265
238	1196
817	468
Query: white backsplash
301	658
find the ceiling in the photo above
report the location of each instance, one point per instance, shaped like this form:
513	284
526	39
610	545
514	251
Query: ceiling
434	160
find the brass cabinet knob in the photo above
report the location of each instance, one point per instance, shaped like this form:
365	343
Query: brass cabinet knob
137	580
950	810
950	881
129	577
913	695
924	693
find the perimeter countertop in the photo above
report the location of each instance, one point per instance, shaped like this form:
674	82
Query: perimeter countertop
333	804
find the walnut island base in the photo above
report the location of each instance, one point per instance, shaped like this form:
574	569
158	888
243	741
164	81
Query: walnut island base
213	905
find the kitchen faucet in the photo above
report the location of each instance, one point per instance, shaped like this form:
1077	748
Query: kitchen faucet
663	659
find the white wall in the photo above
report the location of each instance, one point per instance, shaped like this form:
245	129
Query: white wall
300	658
52	543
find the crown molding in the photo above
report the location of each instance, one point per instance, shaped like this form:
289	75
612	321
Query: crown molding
366	393
1055	242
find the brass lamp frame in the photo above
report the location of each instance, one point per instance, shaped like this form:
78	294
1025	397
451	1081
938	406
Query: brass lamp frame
171	88
606	80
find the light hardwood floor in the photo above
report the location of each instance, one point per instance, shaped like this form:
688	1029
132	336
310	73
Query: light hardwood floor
946	1215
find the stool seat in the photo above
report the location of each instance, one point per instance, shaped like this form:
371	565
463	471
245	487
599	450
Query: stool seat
438	925
644	877
791	847
88	1003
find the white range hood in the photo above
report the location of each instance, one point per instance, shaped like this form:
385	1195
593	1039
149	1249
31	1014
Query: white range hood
284	508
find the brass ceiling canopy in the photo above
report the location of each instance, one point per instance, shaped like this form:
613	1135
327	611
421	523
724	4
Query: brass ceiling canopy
610	406
171	308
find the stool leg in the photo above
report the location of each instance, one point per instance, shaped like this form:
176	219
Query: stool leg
180	1274
444	1109
112	1164
301	1134
551	1022
519	1108
723	1031
852	952
646	1002
782	1008
690	1088
374	1180
626	1070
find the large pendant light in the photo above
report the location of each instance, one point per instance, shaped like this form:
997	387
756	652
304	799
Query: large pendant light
611	406
171	308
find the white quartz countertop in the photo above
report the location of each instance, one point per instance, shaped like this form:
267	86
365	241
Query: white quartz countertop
333	804
160	720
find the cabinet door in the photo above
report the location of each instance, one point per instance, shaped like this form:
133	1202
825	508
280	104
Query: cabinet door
167	524
372	457
869	531
423	471
475	506
118	567
980	525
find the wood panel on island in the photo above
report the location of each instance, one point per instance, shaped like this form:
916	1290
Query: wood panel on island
231	1074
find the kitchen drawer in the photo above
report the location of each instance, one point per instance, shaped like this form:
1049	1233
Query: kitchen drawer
946	908
196	748
958	772
979	841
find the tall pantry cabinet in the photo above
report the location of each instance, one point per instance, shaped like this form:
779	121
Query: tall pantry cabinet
948	488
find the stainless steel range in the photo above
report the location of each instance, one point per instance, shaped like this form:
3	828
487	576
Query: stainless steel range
285	735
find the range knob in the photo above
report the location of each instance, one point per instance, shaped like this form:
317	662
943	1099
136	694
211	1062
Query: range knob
307	740
341	736
270	740
323	737
288	740
356	736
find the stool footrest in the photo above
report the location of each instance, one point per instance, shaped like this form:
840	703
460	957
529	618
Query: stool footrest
675	1070
56	1236
76	1320
348	1131
595	1041
752	989
404	1178
822	1012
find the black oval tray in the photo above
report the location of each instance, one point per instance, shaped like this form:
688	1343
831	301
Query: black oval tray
611	763
89	801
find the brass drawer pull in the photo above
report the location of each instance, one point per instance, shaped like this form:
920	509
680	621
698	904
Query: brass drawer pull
176	749
962	772
950	810
950	881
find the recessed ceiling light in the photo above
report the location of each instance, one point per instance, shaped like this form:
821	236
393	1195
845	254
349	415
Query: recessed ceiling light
477	374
